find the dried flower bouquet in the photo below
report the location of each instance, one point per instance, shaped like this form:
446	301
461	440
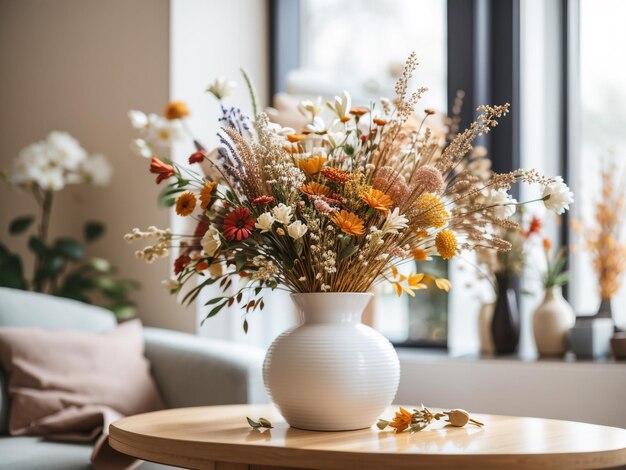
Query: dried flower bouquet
333	207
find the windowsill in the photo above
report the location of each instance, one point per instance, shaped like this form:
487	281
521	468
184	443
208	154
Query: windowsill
418	354
561	388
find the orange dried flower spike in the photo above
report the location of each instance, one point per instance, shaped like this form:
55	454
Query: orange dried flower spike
335	175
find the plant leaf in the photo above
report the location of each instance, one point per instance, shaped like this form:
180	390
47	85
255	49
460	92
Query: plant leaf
265	423
348	251
252	423
20	224
11	271
93	230
69	248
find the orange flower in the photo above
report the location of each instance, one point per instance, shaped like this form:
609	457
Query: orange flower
311	165
378	200
335	175
445	242
185	204
359	111
315	189
206	194
176	110
296	137
380	121
402	420
534	227
349	223
547	244
201	266
163	170
420	254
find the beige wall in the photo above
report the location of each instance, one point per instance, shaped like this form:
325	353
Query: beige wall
79	66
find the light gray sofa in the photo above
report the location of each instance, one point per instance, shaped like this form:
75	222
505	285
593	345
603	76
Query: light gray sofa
188	370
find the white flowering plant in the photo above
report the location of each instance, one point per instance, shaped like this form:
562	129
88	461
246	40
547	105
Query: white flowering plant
335	206
42	169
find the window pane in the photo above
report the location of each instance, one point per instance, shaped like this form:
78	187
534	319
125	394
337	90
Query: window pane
602	120
361	46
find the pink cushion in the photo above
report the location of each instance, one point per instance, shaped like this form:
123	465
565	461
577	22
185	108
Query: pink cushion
51	371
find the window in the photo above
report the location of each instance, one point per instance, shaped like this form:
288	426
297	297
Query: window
599	126
361	46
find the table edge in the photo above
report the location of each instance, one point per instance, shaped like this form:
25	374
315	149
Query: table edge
153	448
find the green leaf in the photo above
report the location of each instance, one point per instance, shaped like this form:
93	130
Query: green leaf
37	246
69	248
349	251
93	230
20	224
100	265
167	197
11	271
265	423
252	423
123	311
213	301
214	311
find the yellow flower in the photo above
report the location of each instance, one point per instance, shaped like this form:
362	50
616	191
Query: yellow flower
445	242
185	204
443	284
315	189
378	200
311	165
349	223
402	420
431	211
176	110
205	194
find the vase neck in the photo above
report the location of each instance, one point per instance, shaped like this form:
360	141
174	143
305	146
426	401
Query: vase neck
333	307
553	292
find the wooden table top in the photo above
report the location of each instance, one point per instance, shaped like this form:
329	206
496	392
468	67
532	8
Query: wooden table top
199	437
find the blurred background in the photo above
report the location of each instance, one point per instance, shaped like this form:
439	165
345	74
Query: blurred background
79	67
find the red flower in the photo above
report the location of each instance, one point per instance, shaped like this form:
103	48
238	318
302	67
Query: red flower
534	227
201	229
181	262
238	224
263	200
163	170
197	157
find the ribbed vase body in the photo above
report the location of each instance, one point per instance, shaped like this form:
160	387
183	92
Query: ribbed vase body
331	372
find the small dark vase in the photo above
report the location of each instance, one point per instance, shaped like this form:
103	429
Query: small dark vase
505	322
605	310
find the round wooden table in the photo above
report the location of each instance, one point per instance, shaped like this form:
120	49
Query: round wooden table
219	438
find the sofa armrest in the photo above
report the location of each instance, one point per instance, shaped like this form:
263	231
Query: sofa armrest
4	404
193	371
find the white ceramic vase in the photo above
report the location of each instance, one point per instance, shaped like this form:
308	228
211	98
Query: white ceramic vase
331	372
551	323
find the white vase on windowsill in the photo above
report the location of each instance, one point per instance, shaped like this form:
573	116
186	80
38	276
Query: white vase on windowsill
331	372
551	323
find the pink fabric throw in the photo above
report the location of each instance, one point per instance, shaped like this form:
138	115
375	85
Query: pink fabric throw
69	385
